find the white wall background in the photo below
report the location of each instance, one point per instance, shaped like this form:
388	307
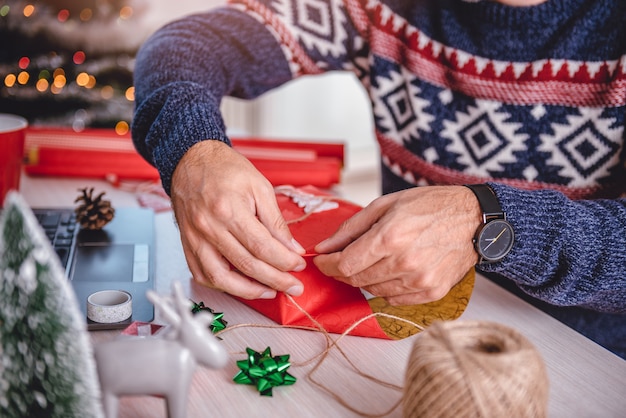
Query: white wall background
331	107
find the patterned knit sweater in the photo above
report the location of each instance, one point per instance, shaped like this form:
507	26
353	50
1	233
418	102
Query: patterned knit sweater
529	99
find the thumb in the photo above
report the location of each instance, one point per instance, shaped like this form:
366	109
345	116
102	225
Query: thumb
350	230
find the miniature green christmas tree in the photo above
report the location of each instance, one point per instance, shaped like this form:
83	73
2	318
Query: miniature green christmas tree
46	365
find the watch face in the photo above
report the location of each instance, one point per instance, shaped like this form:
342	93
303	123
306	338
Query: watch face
495	240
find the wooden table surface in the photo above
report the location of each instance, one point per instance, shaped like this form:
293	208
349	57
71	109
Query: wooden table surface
585	379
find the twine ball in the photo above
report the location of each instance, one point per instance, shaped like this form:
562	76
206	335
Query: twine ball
474	369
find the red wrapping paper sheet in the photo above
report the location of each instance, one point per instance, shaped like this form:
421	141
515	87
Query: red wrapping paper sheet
103	154
335	305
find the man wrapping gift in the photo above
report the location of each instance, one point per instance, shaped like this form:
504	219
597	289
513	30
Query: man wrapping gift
523	100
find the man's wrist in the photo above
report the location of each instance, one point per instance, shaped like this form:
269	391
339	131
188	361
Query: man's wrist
494	237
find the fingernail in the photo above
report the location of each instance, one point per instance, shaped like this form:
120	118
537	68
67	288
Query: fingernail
270	294
296	246
300	267
295	290
320	244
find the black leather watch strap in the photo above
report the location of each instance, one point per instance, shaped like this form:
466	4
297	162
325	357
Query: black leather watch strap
494	238
488	201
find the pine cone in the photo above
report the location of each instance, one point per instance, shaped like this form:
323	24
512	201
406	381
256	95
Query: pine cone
93	213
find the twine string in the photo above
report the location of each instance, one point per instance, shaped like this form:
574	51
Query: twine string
456	368
330	344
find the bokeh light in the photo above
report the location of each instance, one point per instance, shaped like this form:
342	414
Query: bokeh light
10	80
46	69
130	94
79	57
86	14
59	81
23	77
42	85
122	127
44	74
126	12
107	92
63	15
82	79
92	82
23	63
29	9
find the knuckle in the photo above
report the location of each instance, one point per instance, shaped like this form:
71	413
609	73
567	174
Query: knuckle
278	222
198	220
407	263
216	281
344	226
390	238
221	208
261	250
373	289
256	247
356	281
345	268
207	280
435	293
245	264
394	301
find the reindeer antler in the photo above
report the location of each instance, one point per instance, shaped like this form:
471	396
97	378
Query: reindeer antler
164	305
183	304
176	308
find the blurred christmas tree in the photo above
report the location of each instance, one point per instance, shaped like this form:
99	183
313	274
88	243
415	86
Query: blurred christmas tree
46	365
69	63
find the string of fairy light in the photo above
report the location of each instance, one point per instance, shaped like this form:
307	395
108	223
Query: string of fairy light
55	79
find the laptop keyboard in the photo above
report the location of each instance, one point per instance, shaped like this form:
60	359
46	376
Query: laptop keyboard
60	227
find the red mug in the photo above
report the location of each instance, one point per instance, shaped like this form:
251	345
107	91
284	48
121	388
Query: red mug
12	134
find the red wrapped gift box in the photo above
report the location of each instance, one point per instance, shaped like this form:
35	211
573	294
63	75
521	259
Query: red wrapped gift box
334	305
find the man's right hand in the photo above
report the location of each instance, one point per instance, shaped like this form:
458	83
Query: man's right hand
231	226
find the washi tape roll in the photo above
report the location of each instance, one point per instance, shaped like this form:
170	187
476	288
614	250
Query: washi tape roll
109	306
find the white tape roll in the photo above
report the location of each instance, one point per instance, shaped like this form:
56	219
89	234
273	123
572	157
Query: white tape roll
109	306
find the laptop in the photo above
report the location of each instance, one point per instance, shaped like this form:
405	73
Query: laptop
120	256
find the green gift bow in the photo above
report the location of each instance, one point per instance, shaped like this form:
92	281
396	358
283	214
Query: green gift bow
218	322
264	371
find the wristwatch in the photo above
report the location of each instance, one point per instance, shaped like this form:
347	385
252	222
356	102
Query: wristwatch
494	238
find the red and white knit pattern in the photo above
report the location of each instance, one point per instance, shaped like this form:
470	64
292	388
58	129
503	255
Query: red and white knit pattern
559	82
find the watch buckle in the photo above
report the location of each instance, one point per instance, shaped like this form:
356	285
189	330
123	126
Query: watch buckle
488	217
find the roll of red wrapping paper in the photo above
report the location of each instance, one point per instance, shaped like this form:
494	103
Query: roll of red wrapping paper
101	153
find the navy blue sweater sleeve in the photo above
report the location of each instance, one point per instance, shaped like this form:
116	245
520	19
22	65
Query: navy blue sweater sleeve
567	252
178	96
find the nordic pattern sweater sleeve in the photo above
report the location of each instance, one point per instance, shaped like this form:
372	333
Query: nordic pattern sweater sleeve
567	252
183	71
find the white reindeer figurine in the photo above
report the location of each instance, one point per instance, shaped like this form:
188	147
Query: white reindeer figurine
160	366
